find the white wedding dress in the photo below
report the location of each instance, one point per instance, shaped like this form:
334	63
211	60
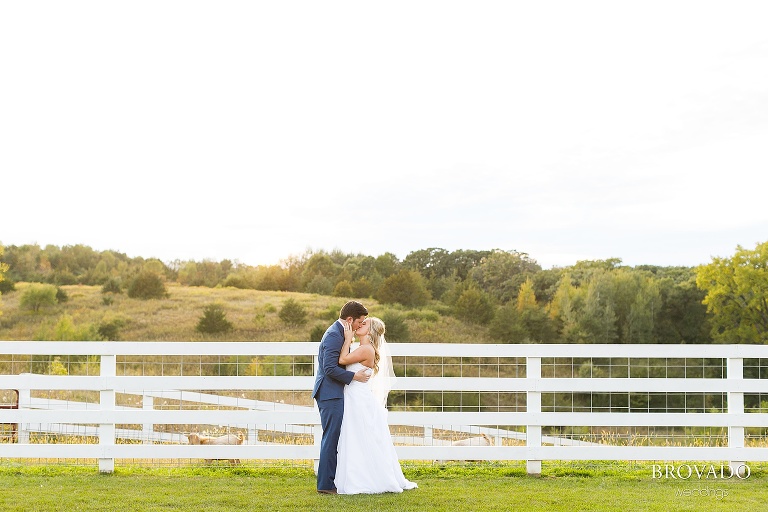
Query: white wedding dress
367	462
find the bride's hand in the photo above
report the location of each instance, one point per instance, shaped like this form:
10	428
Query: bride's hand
348	333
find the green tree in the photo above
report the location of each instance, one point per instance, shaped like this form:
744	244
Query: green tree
563	306
683	317
507	325
214	320
474	306
387	264
320	265
597	319
737	295
38	296
545	284
538	326
364	287
205	273
637	304
462	262
430	263
343	289
585	313
155	266
405	287
320	285
502	272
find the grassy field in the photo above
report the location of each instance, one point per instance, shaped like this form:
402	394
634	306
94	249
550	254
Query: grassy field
563	487
253	313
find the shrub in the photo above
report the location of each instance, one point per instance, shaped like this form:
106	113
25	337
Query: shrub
214	320
110	325
236	281
61	295
316	334
425	315
63	277
474	306
66	330
343	289
396	328
331	312
56	367
112	286
147	285
6	286
38	296
293	313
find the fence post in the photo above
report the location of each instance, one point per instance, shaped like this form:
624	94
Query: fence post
736	406
533	406
25	402
107	403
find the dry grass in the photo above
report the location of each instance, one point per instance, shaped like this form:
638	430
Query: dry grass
253	313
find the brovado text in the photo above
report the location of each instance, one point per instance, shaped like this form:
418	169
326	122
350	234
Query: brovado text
703	471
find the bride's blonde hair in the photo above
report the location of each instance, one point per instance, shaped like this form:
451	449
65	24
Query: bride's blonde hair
376	332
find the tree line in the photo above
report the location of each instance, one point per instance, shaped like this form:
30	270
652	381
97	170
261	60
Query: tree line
600	301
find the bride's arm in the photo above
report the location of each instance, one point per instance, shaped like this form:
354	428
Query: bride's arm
348	334
363	353
359	355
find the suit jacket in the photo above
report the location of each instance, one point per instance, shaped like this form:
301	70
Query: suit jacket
331	376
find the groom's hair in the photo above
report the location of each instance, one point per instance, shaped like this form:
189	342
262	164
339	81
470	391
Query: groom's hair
353	309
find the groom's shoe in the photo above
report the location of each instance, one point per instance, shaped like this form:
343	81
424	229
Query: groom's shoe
327	491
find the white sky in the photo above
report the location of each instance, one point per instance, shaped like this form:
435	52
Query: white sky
255	130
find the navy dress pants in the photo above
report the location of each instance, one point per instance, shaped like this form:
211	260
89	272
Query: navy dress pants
331	414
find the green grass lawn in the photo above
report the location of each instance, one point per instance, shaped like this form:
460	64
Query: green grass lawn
566	487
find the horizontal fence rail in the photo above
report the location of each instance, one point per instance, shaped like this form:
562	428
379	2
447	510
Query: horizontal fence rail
477	401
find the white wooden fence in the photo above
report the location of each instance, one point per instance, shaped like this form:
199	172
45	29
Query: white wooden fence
100	419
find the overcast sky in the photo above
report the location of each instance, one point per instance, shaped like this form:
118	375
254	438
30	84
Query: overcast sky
256	130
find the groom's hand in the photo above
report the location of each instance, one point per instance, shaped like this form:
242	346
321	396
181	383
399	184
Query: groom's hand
363	375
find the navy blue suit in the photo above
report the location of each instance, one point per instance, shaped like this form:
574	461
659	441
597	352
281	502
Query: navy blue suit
329	394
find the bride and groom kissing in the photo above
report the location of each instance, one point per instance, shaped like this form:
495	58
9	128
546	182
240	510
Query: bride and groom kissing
356	451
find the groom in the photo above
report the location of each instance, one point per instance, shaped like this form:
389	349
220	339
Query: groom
329	390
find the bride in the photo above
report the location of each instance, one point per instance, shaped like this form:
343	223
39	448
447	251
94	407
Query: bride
367	462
